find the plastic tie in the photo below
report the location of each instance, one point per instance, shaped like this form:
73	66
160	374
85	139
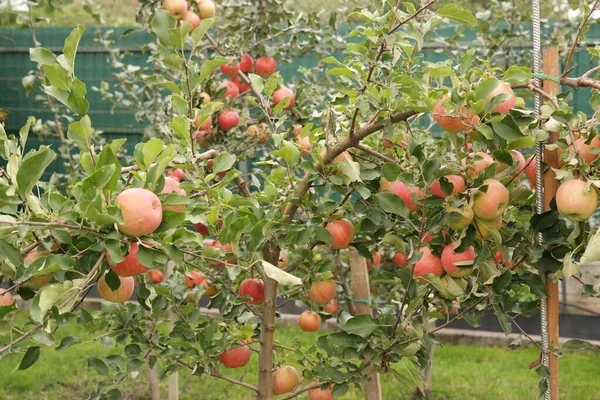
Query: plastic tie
363	301
547	77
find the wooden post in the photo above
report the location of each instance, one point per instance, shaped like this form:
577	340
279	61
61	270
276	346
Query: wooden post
154	387
551	66
173	381
362	291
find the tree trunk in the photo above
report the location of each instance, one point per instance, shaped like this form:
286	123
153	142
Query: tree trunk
154	387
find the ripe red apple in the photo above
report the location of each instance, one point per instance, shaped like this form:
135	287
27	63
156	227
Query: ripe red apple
122	294
236	357
400	189
480	162
530	171
319	394
156	275
230	69
309	321
322	292
576	201
255	288
131	265
242	86
142	211
171	185
205	97
283	93
283	260
176	174
206	9
505	106
247	63
516	155
231	90
201	229
456	180
265	66
464	118
207	124
491	204
450	258
6	298
341	232
376	261
482	228
584	149
204	137
498	256
229	120
400	259
428	264
285	379
194	278
332	308
177	8
303	142
338	159
193	19
36	282
457	218
260	132
225	247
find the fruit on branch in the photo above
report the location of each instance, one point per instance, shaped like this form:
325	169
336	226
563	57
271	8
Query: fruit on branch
142	211
530	171
285	379
242	86
265	66
322	292
303	142
176	174
400	189
480	161
576	201
282	93
376	261
259	133
492	203
131	265
462	119
236	357
204	137
156	275
457	181
171	185
246	64
229	120
206	8
207	124
210	164
319	394
201	229
341	232
230	69
450	258
38	281
177	8
457	218
193	19
253	288
205	97
122	294
231	90
482	228
498	256
332	308
505	106
194	278
283	260
517	156
225	247
427	264
338	159
6	298
584	149
400	259
309	321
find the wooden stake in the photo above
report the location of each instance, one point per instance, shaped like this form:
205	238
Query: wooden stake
154	387
173	381
551	66
362	291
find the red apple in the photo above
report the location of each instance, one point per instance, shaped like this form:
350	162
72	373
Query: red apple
206	9
283	260
177	8
505	106
205	97
341	232
400	259
400	189
309	321
6	298
142	211
255	288
229	120
242	86
236	357
531	171
283	93
225	247
171	185
376	261
457	181
201	229
338	159
322	292
303	142
464	118
230	69
232	91
131	265
247	63
576	201
516	155
428	264
491	204
122	294
584	149
36	282
482	228
194	278
156	275
450	258
498	256
176	174
193	19
265	66
260	132
204	137
285	379
457	218
481	161
207	124
319	394
332	308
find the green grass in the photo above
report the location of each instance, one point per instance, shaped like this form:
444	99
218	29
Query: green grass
460	372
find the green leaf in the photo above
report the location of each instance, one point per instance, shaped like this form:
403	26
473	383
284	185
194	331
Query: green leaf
361	325
107	157
592	251
31	356
24	131
391	203
162	22
181	126
223	162
289	152
485	88
517	75
70	49
32	168
390	171
204	26
578	344
63	295
152	148
81	133
67	342
42	337
58	76
257	82
98	365
209	66
42	56
507	129
457	13
76	99
10	253
178	35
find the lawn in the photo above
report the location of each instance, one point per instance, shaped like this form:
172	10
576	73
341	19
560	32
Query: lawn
460	372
